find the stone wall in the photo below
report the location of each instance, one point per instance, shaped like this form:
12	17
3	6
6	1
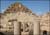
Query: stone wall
22	14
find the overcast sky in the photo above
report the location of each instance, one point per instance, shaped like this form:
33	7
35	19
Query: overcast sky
38	7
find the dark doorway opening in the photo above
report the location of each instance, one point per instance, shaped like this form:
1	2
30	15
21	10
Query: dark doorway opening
2	33
44	32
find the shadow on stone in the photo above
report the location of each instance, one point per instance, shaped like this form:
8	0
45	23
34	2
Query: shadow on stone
31	32
2	33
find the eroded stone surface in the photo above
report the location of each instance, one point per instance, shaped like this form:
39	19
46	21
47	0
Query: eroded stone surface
22	14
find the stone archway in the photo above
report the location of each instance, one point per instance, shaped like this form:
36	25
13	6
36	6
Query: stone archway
45	32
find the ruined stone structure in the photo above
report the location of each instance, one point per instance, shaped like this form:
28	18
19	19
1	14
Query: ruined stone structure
20	20
45	22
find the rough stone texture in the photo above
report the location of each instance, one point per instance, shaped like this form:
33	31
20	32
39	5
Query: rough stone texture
25	16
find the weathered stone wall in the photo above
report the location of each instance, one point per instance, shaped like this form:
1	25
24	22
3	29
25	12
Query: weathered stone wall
26	17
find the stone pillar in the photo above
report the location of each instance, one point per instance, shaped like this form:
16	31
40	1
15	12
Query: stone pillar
17	28
23	27
36	28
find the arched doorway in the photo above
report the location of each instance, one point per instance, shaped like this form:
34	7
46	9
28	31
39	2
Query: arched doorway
44	32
